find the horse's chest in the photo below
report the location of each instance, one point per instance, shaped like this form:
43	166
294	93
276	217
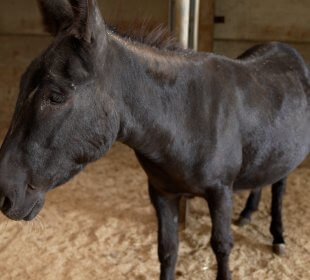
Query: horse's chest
167	181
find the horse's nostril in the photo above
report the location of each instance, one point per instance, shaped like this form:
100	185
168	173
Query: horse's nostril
31	187
7	204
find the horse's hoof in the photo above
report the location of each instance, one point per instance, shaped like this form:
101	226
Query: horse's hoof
279	249
242	221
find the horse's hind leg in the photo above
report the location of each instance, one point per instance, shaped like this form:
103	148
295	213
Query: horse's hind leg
250	207
276	226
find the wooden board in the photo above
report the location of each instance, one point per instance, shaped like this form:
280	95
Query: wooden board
23	16
285	20
206	25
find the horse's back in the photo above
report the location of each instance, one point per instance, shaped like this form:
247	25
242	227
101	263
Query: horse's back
271	50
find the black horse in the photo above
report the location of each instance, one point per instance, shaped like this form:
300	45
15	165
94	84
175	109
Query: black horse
200	124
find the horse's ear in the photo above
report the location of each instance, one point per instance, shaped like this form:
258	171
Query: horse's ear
88	24
57	15
80	17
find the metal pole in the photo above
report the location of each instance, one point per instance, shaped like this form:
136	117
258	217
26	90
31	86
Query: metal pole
184	21
184	24
194	24
180	17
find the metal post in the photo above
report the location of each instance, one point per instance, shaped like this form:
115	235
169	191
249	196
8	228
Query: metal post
184	24
194	24
184	21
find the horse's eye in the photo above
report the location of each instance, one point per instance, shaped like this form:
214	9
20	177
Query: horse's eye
56	98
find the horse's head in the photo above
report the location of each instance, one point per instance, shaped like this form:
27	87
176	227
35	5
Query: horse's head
64	117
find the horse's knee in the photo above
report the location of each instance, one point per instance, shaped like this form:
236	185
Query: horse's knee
222	246
167	252
167	258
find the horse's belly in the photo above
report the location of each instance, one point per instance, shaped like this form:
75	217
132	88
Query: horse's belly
269	166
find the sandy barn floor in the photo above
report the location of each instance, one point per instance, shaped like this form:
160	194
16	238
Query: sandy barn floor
102	226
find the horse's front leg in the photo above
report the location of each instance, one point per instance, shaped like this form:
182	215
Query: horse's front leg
220	205
167	210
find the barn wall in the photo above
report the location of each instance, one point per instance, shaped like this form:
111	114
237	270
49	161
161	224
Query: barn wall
23	17
251	21
246	21
285	20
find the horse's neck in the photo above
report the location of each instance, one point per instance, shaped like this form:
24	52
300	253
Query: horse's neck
150	84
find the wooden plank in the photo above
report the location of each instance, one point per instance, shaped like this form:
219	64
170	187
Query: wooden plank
23	16
20	17
206	25
284	20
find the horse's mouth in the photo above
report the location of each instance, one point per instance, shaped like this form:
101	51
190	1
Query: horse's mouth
31	214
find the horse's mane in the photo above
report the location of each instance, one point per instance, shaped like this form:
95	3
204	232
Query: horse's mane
156	37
